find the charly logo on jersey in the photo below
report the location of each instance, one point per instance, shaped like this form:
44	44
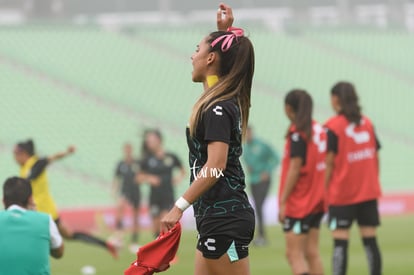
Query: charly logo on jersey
358	137
205	172
209	244
218	110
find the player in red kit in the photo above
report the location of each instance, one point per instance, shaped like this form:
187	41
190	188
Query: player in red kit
301	189
352	177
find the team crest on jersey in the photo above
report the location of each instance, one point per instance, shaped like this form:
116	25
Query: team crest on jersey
218	110
295	137
168	161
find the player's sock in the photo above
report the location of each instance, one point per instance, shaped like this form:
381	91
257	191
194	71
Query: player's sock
340	257
373	254
88	239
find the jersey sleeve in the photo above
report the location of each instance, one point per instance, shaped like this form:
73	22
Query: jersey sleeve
218	122
55	238
298	146
38	168
332	141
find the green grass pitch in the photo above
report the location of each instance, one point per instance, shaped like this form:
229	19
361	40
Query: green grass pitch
395	237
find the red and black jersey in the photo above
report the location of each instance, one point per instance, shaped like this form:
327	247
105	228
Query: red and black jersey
355	177
308	194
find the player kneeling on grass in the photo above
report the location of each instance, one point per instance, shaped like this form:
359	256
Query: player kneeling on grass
301	189
352	178
26	237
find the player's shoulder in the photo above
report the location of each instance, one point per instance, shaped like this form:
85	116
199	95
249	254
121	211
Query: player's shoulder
221	107
366	120
336	122
170	154
38	215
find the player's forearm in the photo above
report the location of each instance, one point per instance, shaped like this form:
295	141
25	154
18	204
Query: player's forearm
142	178
199	186
291	180
57	156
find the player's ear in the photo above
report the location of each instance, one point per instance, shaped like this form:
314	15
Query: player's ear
211	58
31	205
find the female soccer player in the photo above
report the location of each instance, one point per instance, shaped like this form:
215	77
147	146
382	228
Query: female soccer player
301	189
34	169
224	63
157	168
127	192
352	178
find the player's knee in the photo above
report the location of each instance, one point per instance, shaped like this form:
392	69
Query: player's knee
292	255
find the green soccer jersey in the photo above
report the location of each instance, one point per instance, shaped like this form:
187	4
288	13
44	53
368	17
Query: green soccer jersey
259	158
24	242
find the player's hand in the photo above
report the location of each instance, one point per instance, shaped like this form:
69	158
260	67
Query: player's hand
154	180
224	17
282	216
169	220
71	149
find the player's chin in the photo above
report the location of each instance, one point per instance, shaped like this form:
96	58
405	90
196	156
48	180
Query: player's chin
196	78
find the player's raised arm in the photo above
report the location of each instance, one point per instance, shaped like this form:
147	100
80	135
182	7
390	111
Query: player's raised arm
70	150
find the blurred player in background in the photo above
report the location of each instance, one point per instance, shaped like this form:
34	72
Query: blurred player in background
157	168
301	191
352	178
261	160
33	168
224	63
26	237
127	192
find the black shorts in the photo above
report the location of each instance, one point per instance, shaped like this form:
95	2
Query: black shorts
230	233
302	226
160	204
133	199
366	214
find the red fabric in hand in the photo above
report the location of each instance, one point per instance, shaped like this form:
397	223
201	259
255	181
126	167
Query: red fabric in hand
156	255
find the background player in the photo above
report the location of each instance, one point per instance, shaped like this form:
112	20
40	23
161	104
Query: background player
33	168
301	189
352	178
157	169
260	161
224	63
127	192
